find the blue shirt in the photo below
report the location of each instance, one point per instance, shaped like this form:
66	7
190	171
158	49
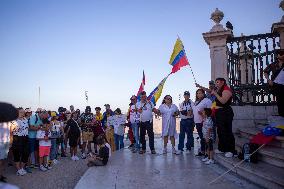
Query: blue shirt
34	121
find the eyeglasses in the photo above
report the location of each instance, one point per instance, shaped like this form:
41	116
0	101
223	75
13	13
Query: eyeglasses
133	99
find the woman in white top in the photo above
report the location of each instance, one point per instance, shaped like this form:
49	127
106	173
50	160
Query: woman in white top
169	111
199	105
20	145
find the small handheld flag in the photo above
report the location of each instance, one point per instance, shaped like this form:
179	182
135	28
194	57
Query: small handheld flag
178	58
156	93
141	88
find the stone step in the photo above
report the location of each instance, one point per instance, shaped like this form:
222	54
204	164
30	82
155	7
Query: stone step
249	132
269	154
261	174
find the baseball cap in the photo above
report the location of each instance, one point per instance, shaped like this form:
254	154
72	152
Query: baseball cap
186	93
211	82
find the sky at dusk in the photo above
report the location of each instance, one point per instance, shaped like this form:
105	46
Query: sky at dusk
69	47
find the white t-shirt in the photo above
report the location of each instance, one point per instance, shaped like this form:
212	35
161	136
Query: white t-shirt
280	77
4	132
20	127
118	124
186	106
134	115
205	103
147	114
40	135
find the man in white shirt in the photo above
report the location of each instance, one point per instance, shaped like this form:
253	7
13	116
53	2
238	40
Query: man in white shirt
186	124
145	108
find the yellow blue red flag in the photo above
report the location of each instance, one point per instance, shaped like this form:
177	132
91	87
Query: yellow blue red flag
156	93
178	57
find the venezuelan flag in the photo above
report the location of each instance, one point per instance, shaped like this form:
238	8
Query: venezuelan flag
178	57
156	93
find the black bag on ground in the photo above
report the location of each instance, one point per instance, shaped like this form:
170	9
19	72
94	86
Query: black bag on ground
247	150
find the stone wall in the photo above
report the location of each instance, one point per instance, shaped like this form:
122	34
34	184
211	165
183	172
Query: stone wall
250	116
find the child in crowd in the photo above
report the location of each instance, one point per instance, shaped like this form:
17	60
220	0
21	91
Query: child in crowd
102	158
118	124
207	131
43	135
109	132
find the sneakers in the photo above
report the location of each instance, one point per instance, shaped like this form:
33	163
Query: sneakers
21	172
229	154
205	159
42	168
153	152
55	161
48	167
63	155
73	158
178	152
76	158
165	151
218	151
142	151
210	161
83	156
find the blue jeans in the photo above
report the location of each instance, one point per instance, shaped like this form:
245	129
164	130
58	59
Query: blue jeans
200	134
118	141
53	149
135	128
186	127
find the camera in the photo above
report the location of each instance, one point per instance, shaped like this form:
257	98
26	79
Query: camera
184	112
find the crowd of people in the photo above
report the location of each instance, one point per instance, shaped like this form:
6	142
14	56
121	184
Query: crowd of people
35	140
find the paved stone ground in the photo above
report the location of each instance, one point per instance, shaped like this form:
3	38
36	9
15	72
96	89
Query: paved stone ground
127	170
63	175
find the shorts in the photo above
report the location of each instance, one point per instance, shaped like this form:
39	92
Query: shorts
44	151
33	144
20	148
87	136
73	141
209	145
4	149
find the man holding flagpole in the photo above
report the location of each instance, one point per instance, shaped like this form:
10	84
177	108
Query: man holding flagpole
145	108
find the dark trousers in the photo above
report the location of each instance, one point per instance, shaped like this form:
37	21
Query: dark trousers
224	119
279	93
200	134
147	126
186	127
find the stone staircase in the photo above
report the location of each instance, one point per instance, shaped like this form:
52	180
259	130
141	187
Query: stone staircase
269	171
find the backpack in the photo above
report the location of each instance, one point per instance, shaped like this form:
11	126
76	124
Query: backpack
247	150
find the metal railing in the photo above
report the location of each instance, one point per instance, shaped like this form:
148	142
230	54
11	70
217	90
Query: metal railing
248	56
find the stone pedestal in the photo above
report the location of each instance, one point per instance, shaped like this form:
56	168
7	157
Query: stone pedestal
279	28
216	38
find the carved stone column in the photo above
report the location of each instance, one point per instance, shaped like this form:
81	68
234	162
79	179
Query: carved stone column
216	38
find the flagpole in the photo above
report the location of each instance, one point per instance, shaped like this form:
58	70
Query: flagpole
188	64
39	96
